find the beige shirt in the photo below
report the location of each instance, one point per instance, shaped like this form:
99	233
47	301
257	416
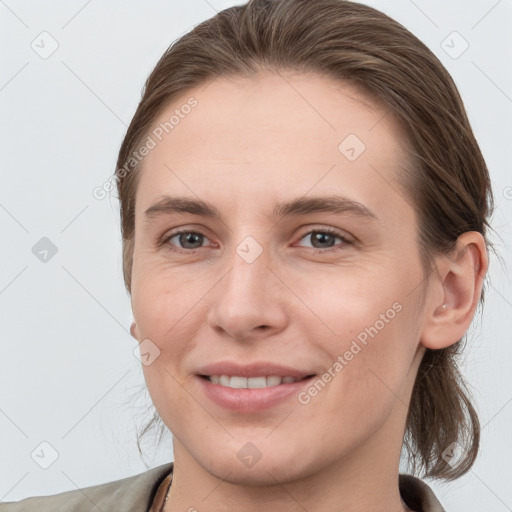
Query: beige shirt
146	492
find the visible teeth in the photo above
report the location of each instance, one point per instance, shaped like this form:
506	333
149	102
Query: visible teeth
256	382
252	382
274	380
238	382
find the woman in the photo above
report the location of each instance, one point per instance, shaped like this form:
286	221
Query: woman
304	215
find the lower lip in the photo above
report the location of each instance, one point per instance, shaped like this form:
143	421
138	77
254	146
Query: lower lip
251	400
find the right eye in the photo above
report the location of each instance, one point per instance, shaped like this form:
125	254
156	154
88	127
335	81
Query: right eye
190	241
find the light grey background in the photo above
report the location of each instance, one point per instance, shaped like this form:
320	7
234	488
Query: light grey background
68	375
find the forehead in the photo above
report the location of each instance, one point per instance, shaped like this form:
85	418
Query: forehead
273	133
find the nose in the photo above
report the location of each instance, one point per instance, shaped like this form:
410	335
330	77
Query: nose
248	302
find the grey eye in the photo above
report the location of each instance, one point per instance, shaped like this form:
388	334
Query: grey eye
189	239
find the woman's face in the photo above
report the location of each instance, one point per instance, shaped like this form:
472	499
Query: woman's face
310	263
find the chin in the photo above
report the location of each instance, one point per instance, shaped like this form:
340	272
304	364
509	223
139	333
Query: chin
263	473
250	460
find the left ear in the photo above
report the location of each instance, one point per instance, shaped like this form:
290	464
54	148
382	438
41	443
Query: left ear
134	331
459	281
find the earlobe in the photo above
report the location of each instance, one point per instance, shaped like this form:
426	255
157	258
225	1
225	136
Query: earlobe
461	277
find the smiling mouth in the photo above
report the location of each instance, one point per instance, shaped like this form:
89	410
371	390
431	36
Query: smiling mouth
238	382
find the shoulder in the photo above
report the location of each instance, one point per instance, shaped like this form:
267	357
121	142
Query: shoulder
132	494
418	495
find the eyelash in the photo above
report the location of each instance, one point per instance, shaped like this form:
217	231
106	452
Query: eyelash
346	240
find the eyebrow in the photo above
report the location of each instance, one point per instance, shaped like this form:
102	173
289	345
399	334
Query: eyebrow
301	206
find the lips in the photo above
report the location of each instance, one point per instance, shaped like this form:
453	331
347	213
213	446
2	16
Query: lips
240	387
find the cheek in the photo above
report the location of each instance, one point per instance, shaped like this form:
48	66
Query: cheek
164	300
168	317
370	347
362	386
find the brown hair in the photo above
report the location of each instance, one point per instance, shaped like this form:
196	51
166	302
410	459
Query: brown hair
449	183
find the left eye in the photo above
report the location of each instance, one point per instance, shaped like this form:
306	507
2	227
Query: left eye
325	238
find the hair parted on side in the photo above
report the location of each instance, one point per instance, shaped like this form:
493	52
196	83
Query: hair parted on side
449	184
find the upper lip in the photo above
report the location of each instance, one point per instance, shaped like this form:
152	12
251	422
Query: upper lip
256	369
